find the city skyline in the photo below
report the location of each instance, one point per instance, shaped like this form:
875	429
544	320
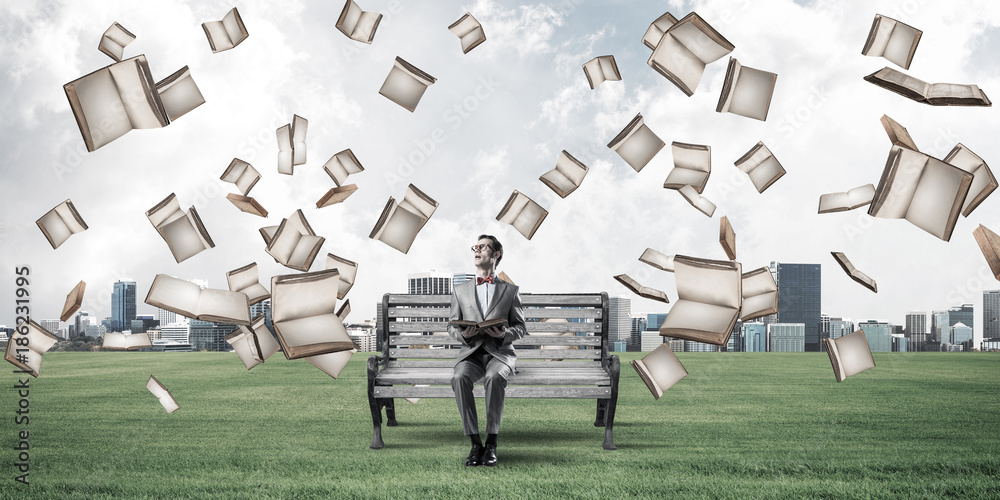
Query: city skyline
494	121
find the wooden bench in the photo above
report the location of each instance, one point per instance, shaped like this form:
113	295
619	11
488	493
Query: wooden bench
417	351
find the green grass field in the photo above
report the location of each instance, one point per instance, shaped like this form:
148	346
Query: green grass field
741	425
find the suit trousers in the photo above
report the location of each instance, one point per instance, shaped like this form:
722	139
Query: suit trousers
480	365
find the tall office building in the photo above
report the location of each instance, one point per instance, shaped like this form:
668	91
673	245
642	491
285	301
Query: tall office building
167	317
52	325
175	332
799	299
143	322
655	320
824	330
754	336
786	337
878	334
961	335
839	327
619	319
80	322
459	278
962	314
429	283
122	305
939	326
917	330
991	314
635	332
649	340
263	307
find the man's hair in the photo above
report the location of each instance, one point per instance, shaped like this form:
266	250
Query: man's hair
495	243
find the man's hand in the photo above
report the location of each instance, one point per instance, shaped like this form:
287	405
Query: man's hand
469	331
495	332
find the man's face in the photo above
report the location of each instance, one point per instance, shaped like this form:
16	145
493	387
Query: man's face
483	253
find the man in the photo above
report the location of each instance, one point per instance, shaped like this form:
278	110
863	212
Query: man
486	354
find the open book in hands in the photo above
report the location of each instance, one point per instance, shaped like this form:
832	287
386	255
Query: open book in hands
500	323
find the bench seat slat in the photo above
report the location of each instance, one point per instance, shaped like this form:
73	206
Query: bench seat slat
527	300
531	327
521	354
524	376
522	391
529	340
521	363
529	313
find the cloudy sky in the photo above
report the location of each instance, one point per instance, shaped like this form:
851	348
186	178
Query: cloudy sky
494	121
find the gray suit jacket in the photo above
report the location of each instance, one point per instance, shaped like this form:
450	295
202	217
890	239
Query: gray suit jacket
506	303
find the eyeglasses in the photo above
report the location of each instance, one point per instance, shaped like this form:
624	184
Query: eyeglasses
480	247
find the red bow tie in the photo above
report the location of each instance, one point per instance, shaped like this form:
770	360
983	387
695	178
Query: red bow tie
488	279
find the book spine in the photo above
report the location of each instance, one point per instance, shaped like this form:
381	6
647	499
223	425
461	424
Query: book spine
386	212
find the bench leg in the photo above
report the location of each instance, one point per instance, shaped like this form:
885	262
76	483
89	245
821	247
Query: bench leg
609	439
374	405
602	408
390	412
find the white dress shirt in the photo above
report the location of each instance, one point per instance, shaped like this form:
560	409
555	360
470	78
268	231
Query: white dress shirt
484	294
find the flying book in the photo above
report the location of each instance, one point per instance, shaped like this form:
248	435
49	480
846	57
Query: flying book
348	272
28	357
303	311
190	300
989	243
692	166
898	135
727	237
636	143
161	393
242	174
658	260
935	94
357	24
522	213
710	294
405	84
400	222
656	30
849	355
853	272
60	223
227	33
126	341
295	244
332	363
73	301
697	200
640	290
762	167
760	294
893	40
601	69
685	49
469	31
746	91
253	343
268	234
339	167
247	280
113	100
336	195
840	202
247	204
345	309
659	370
292	144
983	181
482	325
923	190
502	275
183	232
566	177
114	40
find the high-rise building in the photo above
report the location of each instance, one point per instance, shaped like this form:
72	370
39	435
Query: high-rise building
962	314
166	317
655	320
263	307
80	322
363	335
209	336
143	322
799	299
649	340
786	337
635	332
122	305
52	325
459	278
917	330
754	337
878	334
619	318
95	331
900	343
961	335
824	330
840	327
175	332
991	314
429	283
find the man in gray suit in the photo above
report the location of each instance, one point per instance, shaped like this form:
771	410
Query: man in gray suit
486	354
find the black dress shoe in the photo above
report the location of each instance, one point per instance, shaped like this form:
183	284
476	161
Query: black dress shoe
490	455
475	457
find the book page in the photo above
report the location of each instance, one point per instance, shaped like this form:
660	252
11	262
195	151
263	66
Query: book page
901	44
165	211
691	315
242	278
400	228
174	294
418	202
700	39
304	295
114	340
751	93
640	147
284	242
834	202
855	355
364	30
953	91
464	25
692	156
135	87
663	367
313	330
54	227
233	306
861	195
878	36
983	181
766	173
529	218
558	182
902	174
472	39
704	205
656	30
183	238
298	137
179	94
349	18
573	169
609	69
403	86
658	260
218	36
332	363
100	112
939	195
904	81
304	250
234	27
709	282
681	66
680	177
